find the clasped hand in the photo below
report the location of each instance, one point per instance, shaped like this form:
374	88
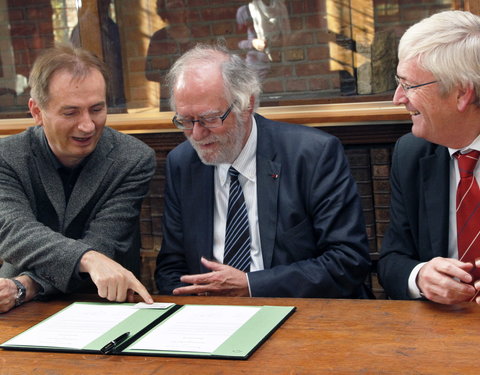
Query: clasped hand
223	280
448	281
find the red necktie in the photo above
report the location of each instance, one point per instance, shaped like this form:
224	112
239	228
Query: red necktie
468	210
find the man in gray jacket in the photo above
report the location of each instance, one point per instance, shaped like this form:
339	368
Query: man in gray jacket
70	189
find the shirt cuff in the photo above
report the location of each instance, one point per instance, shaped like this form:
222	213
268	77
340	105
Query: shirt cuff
413	289
248	283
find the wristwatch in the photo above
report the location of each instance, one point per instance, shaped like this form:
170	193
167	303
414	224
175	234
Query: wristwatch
21	292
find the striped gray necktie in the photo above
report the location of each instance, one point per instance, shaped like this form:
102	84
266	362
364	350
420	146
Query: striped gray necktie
237	234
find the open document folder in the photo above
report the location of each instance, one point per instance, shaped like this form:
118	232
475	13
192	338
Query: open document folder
163	329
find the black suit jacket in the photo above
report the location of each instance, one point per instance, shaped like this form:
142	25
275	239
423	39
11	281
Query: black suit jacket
311	223
418	231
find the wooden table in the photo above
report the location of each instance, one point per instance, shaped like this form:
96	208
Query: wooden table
323	336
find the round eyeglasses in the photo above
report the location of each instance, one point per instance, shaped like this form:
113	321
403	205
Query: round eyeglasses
406	87
206	122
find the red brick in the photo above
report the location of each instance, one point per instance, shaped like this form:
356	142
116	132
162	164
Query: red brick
324	36
19	43
317	84
202	3
16	15
281	70
412	15
381	186
28	3
40	12
294	54
200	30
277	55
306	6
381	171
22	29
297	24
312	69
37	43
45	27
318	53
218	14
223	28
270	86
382	200
316	21
301	38
296	84
7	100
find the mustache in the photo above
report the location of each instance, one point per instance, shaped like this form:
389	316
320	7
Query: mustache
211	138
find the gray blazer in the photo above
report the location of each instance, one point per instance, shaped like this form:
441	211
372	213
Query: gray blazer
44	237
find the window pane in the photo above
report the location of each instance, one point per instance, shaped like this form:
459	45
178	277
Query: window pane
306	51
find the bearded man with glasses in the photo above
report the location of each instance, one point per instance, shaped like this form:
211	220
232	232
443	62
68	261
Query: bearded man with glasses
431	249
254	207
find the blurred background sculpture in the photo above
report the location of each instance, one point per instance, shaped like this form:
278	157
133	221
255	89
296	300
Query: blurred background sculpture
266	26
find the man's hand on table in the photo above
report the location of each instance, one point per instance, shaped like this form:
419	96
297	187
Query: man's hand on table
9	291
113	281
222	281
447	281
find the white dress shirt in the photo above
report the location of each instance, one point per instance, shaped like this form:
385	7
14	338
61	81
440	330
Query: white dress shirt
246	165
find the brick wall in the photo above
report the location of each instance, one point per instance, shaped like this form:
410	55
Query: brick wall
31	30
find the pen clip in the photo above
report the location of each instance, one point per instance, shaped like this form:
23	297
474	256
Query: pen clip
112	345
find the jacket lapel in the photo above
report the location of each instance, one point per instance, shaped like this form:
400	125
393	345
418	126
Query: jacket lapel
201	201
268	182
90	179
436	182
48	176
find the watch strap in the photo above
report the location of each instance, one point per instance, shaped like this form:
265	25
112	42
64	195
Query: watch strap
21	292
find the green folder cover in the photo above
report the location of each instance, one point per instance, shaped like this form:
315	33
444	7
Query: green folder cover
257	323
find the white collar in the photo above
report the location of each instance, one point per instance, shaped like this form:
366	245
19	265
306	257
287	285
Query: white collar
475	145
245	163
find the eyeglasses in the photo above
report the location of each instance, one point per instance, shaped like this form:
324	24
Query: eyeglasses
407	87
206	122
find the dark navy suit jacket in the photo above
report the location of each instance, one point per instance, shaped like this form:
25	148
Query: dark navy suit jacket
418	231
311	223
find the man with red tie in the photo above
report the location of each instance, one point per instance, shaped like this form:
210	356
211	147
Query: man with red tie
432	247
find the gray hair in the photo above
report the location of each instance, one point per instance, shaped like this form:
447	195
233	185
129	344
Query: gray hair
240	82
447	44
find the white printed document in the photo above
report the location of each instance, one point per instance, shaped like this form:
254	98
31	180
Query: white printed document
196	328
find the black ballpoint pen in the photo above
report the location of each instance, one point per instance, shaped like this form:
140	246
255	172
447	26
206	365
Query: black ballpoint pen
113	344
